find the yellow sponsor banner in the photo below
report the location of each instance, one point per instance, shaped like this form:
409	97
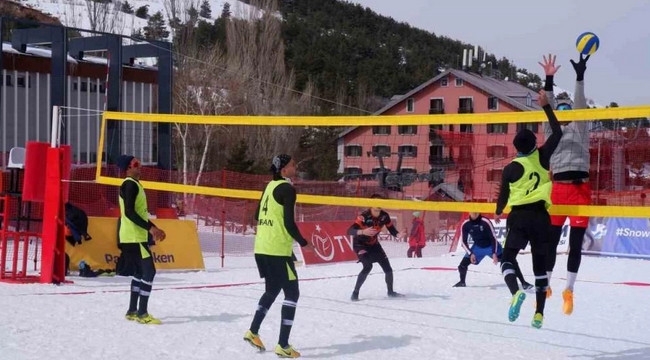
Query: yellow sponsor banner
179	251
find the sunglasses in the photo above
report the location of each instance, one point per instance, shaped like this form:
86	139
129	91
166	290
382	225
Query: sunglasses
564	107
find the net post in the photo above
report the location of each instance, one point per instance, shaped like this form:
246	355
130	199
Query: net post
223	220
53	251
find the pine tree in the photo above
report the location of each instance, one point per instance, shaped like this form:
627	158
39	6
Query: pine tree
225	11
238	159
127	8
205	12
156	29
193	14
142	12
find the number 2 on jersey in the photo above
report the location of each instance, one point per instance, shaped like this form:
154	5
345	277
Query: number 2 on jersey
533	175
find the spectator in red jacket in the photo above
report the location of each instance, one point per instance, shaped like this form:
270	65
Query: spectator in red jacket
417	238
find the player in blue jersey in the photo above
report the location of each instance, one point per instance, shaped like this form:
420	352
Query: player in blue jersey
481	230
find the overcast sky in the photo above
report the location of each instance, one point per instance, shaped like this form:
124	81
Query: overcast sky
524	30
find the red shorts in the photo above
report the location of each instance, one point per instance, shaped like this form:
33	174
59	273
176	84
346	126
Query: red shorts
571	194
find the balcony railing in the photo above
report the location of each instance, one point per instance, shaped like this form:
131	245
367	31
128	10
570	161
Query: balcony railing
465	109
441	161
436	111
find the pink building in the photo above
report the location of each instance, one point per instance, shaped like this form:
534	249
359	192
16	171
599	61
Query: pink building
450	161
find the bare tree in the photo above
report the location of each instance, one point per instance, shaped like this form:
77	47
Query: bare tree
105	16
200	91
261	84
176	12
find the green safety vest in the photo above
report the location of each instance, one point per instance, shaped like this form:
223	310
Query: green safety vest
533	186
272	237
130	232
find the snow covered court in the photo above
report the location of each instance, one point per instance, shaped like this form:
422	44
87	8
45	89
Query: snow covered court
206	313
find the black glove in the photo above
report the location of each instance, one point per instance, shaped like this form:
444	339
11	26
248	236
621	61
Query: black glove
580	67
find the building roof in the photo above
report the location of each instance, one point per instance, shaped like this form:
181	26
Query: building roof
509	92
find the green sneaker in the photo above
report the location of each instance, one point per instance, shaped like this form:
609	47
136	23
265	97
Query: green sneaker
537	321
515	305
131	315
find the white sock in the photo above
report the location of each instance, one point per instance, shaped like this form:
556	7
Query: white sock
570	280
548	275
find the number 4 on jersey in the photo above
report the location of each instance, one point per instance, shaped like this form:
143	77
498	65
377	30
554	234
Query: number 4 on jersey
265	205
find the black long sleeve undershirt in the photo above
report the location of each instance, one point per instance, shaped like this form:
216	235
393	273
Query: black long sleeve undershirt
514	171
285	195
129	192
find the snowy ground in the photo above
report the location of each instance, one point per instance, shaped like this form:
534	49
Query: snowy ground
206	313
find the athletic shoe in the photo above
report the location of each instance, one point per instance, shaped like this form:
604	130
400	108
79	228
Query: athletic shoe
288	352
527	286
567	295
394	294
460	284
254	340
537	321
355	296
515	305
549	292
131	315
147	319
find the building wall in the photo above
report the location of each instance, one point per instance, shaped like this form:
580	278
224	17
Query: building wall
482	165
25	113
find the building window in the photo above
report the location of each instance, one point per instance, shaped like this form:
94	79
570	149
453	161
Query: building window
23	81
436	106
459	82
493	103
466	128
497	151
7	81
383	150
534	127
410	105
497	128
352	170
465	105
381	130
494	174
436	151
407	129
408	150
353	150
444	82
529	100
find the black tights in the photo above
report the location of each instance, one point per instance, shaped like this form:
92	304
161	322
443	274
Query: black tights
576	236
367	266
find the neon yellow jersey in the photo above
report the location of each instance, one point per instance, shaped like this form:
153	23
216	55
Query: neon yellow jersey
272	237
534	185
130	232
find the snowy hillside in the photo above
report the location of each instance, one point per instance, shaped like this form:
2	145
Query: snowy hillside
75	13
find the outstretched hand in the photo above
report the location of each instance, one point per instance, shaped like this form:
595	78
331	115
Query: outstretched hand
580	67
549	65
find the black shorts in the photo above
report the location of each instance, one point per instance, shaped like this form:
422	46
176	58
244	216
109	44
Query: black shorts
135	260
370	253
280	269
524	225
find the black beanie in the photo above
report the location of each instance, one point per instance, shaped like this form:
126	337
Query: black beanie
525	141
279	162
124	161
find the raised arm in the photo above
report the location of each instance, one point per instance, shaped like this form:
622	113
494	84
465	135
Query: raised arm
548	64
579	99
546	150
